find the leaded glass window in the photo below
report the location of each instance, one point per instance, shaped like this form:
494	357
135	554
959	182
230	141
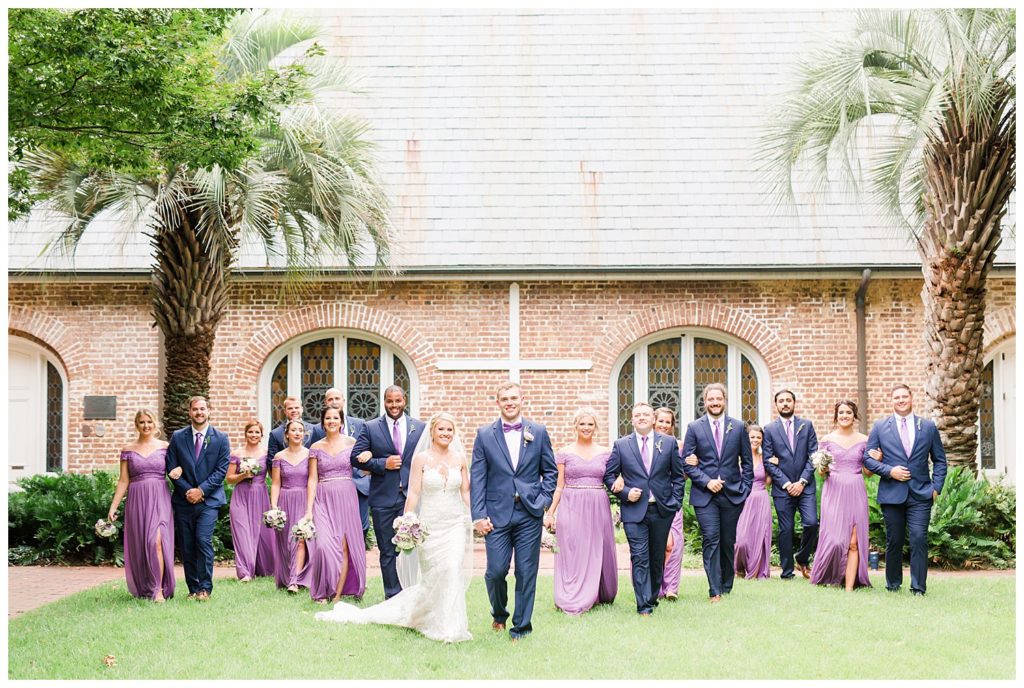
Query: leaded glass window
624	396
363	379
748	391
663	371
401	376
278	392
710	364
317	376
54	419
987	418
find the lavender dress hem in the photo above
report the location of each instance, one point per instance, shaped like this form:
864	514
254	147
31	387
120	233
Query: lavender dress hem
754	530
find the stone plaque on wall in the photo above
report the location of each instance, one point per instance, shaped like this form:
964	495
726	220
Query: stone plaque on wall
100	408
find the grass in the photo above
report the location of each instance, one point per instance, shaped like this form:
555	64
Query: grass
773	629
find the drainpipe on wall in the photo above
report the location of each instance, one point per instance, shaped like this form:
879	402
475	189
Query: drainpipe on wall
862	356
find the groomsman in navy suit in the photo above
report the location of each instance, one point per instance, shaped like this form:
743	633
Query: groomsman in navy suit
351	426
276	443
512	480
650	493
722	479
913	471
391	440
201	451
791	440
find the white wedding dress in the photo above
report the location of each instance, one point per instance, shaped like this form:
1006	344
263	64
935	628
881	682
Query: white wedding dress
436	604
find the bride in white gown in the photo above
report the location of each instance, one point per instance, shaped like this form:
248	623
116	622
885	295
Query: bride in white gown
434	601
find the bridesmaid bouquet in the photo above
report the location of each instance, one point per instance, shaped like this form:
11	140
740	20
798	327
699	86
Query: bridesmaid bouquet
549	541
106	529
303	530
250	465
275	518
822	461
410	532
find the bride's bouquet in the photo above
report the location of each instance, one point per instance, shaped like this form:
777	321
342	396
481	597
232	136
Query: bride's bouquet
250	465
303	530
410	532
275	518
106	529
549	541
822	461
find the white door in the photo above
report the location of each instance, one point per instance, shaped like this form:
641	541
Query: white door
1006	409
26	411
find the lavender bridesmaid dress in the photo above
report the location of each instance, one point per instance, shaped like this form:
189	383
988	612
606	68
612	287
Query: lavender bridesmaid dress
292	500
586	572
844	505
254	542
754	530
336	517
146	513
674	562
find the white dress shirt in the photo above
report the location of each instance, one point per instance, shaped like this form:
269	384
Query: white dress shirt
514	441
911	426
650	451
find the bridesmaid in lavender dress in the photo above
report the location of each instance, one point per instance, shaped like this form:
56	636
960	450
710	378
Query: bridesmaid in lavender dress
290	476
254	542
843	539
149	521
338	553
754	530
586	572
665	423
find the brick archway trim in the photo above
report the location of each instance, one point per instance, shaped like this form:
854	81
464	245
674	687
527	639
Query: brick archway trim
54	335
335	316
768	344
998	326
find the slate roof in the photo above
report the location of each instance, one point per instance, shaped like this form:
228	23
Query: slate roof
570	140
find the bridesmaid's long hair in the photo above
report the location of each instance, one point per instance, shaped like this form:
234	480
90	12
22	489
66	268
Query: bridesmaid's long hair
844	402
146	412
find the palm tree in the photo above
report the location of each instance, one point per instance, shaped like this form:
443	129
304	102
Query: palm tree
932	95
309	193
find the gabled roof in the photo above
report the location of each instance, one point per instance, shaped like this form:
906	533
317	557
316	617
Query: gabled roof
570	140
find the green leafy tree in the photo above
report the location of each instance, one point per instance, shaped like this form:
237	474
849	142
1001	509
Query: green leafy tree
937	88
308	190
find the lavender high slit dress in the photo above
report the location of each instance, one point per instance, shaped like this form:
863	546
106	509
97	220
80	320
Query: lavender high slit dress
336	517
147	512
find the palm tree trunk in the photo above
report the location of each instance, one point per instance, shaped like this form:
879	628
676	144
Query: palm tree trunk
190	291
970	174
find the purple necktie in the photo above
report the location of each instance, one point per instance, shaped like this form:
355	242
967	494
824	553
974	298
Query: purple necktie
509	428
905	436
645	453
789	434
396	437
199	443
718	439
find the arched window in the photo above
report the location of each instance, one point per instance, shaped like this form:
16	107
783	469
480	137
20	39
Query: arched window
37	406
360	365
997	438
673	367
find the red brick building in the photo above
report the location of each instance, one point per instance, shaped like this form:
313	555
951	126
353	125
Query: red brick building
575	206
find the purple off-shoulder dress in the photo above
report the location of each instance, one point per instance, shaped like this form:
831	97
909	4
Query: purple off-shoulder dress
754	530
254	542
586	572
336	517
292	500
844	505
147	512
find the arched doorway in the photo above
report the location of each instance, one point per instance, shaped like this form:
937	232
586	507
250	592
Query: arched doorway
36	410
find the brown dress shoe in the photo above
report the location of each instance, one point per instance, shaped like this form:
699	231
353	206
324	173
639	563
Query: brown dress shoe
805	570
202	596
497	626
716	599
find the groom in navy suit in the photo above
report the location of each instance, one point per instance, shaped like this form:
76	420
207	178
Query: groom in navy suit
512	480
652	492
907	486
790	441
201	451
391	440
722	479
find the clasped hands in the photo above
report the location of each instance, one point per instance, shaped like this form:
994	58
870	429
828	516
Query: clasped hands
715	485
483	526
634	493
392	463
194	495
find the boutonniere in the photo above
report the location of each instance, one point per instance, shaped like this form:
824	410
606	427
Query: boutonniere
800	428
206	441
527	436
657	445
728	428
919	424
412	428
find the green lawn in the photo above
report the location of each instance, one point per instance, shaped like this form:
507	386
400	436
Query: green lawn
772	629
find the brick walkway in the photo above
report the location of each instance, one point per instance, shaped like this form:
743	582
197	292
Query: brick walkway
29	587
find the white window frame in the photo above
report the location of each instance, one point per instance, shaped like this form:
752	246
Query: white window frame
44	356
735	349
293	349
1005	429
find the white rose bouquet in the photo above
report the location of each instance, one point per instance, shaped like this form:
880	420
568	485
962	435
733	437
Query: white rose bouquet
275	518
822	461
549	541
410	532
106	529
250	465
303	530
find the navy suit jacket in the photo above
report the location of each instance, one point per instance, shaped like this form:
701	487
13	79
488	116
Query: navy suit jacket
923	478
387	488
494	485
207	472
793	465
735	466
277	442
666	481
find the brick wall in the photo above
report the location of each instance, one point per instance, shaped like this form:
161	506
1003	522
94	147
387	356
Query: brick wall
803	329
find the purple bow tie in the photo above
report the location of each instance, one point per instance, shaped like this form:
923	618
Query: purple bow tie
509	428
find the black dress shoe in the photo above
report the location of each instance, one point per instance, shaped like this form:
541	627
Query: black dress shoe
888	589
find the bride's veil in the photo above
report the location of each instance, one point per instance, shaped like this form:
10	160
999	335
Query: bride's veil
407	563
